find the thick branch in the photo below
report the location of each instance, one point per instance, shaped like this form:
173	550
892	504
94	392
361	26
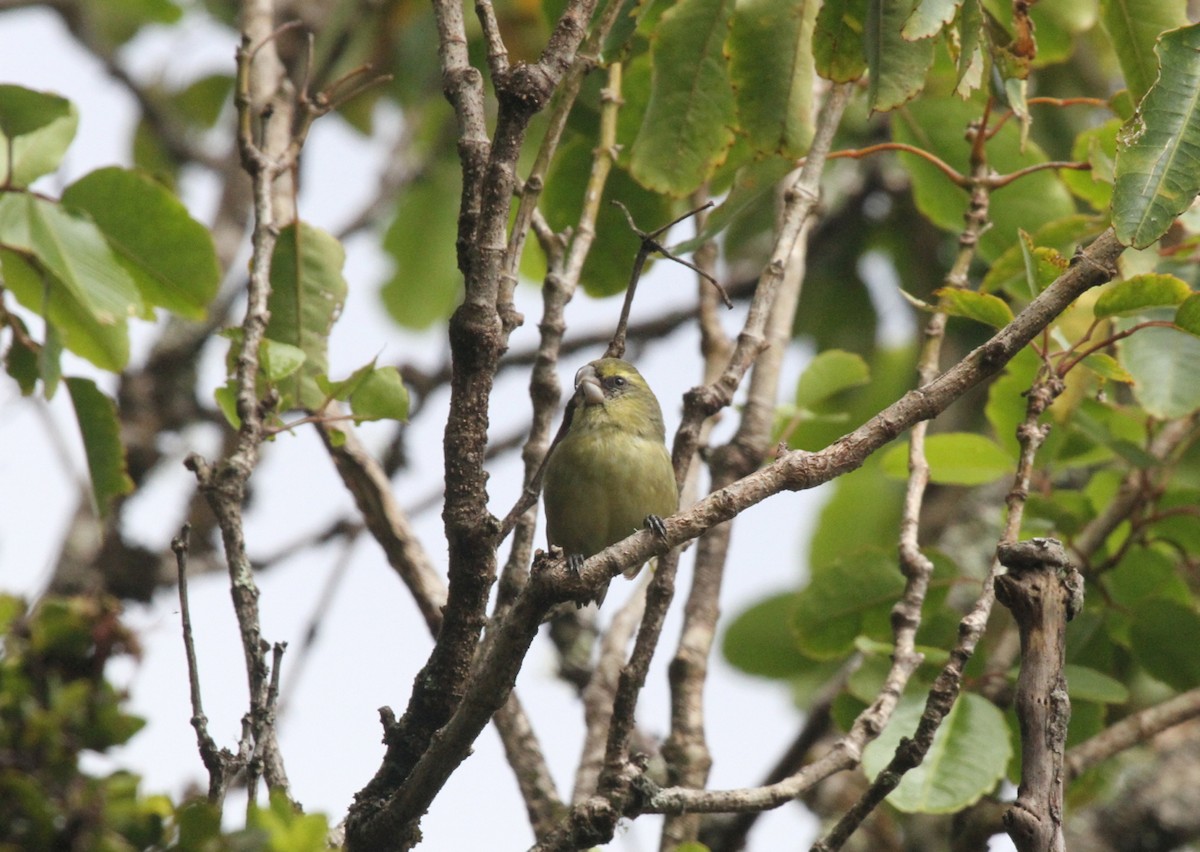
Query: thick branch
1043	592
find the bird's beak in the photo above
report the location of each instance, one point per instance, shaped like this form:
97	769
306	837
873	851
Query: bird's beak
587	386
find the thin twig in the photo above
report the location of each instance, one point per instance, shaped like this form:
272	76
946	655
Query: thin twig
219	762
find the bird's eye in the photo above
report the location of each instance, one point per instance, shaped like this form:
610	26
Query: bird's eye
618	381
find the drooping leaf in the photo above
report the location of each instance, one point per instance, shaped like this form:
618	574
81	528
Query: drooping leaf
1139	293
1164	363
426	284
971	44
897	65
753	185
1158	153
969	754
70	246
830	373
838	40
771	69
40	126
307	294
687	129
70	323
981	307
928	18
169	255
955	458
24	111
1133	26
21	359
97	418
608	265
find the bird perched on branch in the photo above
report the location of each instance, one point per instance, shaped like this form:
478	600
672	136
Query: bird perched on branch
609	472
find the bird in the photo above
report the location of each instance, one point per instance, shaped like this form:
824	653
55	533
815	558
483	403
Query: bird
608	473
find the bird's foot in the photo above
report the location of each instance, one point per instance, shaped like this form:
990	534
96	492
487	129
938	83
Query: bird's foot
655	524
575	563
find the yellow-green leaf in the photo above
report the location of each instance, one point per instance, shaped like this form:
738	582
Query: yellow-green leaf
955	458
771	68
981	307
687	129
1139	293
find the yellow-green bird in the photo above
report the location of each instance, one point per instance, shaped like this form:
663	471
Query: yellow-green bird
609	472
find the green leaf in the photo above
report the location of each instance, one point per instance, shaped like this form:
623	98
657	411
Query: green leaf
760	641
426	285
1107	367
955	458
969	754
1140	292
69	322
202	101
226	398
1165	635
929	18
278	360
117	23
21	359
1043	265
1096	146
98	424
897	65
1046	248
1158	155
936	124
972	42
981	307
687	129
1085	684
307	294
830	373
24	111
753	185
168	254
342	390
1164	363
771	69
1133	26
838	40
69	245
606	270
849	598
381	395
40	127
1188	315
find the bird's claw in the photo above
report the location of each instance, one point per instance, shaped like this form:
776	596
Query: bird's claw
655	524
575	563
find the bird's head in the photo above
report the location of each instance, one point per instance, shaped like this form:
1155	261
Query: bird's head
612	392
